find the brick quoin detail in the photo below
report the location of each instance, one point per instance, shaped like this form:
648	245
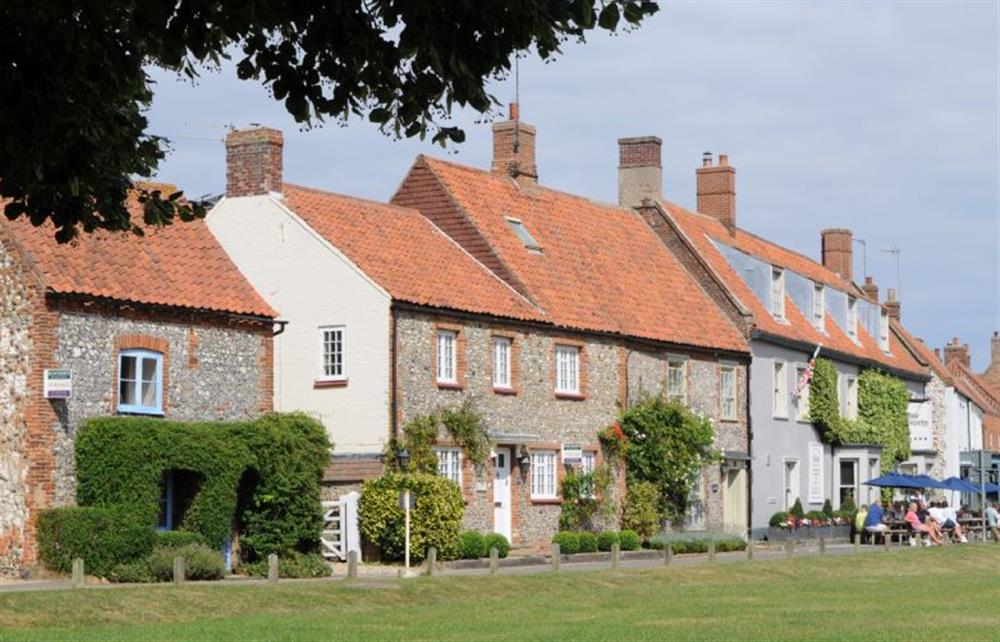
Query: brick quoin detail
192	348
142	342
266	373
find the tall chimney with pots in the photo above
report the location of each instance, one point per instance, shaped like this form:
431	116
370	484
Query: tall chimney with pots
995	349
838	252
640	170
892	305
955	351
253	161
870	289
514	149
716	190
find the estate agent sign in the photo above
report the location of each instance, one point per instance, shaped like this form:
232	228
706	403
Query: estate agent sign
58	384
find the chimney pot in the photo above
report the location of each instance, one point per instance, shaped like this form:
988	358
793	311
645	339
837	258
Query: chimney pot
838	251
870	289
640	170
515	111
892	305
254	161
716	191
514	149
955	351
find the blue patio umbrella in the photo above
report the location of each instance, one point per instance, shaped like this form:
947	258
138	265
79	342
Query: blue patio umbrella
894	480
990	488
926	481
961	485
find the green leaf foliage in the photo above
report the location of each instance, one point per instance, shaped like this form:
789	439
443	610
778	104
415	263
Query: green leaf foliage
588	542
176	539
668	447
76	88
200	563
278	459
499	542
797	509
630	540
585	497
642	513
102	537
605	539
463	423
293	565
434	521
568	541
472	545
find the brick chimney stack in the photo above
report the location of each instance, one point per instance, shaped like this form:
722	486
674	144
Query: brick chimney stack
514	149
838	252
870	289
716	190
892	306
253	161
640	170
954	350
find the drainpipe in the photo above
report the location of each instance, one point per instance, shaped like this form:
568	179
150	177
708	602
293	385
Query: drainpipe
749	454
393	356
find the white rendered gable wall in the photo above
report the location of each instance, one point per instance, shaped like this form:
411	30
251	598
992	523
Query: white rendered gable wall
311	284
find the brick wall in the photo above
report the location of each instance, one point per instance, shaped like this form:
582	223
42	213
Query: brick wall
254	161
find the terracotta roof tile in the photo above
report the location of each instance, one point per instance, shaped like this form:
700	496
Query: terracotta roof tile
406	254
974	387
179	265
702	230
600	268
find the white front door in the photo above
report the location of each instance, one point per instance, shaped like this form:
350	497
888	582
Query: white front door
792	492
501	492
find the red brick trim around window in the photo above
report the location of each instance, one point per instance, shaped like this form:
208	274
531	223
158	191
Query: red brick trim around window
143	342
560	472
460	340
584	374
515	362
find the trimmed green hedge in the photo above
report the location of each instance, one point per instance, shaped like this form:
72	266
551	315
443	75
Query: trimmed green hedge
278	459
177	539
697	544
200	563
472	545
102	536
293	566
434	521
499	542
568	541
606	539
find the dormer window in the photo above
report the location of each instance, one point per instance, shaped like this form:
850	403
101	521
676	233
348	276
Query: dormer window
523	234
883	331
778	294
852	318
819	308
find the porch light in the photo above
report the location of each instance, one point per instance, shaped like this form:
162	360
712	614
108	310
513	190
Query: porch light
403	457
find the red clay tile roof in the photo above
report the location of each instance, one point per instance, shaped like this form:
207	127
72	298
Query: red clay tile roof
406	254
702	229
972	386
923	353
600	268
179	265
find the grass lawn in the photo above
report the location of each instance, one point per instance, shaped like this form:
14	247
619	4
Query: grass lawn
948	593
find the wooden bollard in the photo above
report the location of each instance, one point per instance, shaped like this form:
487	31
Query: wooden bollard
711	550
555	557
272	568
494	560
432	560
352	565
822	546
616	552
789	547
886	540
857	542
78	580
668	553
179	569
750	549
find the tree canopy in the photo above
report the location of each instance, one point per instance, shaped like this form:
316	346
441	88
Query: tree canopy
73	130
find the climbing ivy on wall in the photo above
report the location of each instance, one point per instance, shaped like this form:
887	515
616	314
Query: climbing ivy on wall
278	460
882	418
418	435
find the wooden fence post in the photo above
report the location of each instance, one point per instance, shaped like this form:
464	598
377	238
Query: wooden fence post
555	557
432	560
822	546
352	565
272	568
616	552
668	553
494	560
78	575
711	550
887	539
857	542
179	569
750	549
789	547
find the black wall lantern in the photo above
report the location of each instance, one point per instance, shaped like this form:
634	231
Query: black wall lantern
403	458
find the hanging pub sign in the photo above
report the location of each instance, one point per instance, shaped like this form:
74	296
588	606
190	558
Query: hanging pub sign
918	414
572	454
58	384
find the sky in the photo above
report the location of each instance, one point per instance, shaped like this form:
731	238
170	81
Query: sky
880	117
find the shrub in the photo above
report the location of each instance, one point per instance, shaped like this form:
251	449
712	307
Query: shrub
816	514
293	565
588	542
102	536
176	539
472	545
827	508
499	542
606	539
568	541
630	540
642	513
848	505
797	509
682	544
201	563
434	521
778	519
136	571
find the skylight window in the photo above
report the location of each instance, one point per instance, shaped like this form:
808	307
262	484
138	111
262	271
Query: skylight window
523	234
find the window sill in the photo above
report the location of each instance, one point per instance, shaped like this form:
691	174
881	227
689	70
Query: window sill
449	385
141	413
571	396
546	501
729	420
330	383
781	417
505	391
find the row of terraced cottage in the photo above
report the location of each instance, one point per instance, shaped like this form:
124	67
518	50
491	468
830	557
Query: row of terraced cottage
547	310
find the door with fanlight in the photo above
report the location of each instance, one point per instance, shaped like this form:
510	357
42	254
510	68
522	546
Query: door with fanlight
501	492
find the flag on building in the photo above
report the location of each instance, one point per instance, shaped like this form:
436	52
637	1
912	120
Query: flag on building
807	374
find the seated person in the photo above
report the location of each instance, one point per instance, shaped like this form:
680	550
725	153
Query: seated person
947	518
873	521
993	519
859	518
918	526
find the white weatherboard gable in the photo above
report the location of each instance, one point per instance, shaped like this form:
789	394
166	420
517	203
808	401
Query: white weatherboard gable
312	284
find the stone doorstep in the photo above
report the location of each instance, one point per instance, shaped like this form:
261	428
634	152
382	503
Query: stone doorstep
540	560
